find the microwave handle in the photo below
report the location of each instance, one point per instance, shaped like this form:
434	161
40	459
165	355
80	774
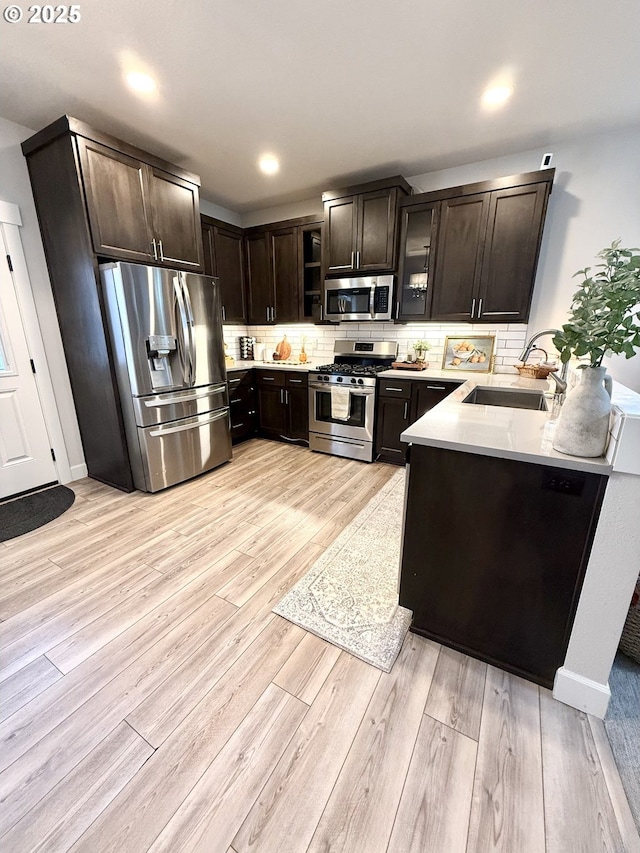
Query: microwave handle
372	301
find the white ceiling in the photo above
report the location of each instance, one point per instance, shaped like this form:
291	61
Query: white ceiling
340	90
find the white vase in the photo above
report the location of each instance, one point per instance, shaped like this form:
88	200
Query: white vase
583	425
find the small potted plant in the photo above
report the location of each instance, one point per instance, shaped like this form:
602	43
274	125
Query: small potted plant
604	320
421	349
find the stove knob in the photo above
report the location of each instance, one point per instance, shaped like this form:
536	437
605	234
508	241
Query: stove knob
326	378
339	378
353	381
360	381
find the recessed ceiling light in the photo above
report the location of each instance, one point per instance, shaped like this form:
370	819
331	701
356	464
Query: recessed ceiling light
496	96
269	164
141	82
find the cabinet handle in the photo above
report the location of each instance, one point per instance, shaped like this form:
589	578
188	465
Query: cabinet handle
233	381
321	313
406	411
499	313
267	314
161	250
296	381
155	249
473	306
436	387
236	426
268	379
358	260
389	388
479	308
286	397
273	315
353	259
224	315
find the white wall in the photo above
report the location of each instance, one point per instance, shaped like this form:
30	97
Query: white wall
218	212
16	188
307	207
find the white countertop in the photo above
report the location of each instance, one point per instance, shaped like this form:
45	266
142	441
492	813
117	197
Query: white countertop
520	434
431	373
271	365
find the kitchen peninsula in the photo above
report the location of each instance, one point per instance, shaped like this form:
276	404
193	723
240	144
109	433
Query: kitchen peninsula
512	551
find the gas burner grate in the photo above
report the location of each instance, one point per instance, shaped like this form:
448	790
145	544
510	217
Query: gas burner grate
353	369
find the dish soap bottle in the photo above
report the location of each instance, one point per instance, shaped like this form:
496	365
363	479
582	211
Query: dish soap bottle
303	354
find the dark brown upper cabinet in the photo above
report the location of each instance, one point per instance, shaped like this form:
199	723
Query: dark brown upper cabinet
283	246
460	249
512	245
418	239
281	258
360	227
175	217
259	278
117	205
224	257
138	211
480	245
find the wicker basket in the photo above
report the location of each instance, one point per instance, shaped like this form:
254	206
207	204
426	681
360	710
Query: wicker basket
630	639
535	371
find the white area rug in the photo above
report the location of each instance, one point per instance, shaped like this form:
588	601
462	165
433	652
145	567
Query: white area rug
350	595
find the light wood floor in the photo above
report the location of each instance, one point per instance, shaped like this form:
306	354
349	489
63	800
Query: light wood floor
150	699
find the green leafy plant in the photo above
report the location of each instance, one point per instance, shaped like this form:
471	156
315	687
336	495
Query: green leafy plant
605	310
423	346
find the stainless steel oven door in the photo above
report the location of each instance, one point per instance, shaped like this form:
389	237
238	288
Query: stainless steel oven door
361	412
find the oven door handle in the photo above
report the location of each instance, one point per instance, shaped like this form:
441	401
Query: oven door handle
364	390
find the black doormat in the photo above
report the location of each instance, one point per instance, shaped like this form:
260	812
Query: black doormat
23	515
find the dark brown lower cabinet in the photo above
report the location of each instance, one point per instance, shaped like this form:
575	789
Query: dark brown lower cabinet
243	405
400	403
393	411
283	405
494	555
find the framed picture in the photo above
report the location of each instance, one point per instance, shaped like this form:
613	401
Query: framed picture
469	353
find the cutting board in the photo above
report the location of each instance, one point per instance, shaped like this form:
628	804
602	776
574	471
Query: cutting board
405	365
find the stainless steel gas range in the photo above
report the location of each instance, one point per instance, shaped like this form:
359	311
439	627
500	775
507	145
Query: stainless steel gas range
342	398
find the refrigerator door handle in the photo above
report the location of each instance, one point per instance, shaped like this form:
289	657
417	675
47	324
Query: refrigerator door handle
167	430
187	398
190	330
182	330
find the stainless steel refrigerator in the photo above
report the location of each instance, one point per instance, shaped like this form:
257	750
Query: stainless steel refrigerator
165	329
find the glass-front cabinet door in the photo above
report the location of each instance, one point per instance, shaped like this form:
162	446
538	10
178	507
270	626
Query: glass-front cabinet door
418	226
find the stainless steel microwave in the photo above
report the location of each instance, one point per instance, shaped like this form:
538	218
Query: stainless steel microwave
365	298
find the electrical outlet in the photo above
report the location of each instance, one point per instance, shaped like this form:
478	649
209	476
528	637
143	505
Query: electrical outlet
565	482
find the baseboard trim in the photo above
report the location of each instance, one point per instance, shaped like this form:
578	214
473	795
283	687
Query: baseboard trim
581	693
78	472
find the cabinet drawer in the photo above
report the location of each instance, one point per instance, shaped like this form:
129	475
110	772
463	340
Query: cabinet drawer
239	379
399	388
271	377
297	380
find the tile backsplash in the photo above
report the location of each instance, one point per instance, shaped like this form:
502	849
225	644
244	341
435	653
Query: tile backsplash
319	340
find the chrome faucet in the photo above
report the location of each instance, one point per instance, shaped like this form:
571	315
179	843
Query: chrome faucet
561	381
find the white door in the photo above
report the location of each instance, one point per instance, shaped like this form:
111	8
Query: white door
25	449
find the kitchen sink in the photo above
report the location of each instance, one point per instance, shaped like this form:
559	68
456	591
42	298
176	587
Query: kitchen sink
513	399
